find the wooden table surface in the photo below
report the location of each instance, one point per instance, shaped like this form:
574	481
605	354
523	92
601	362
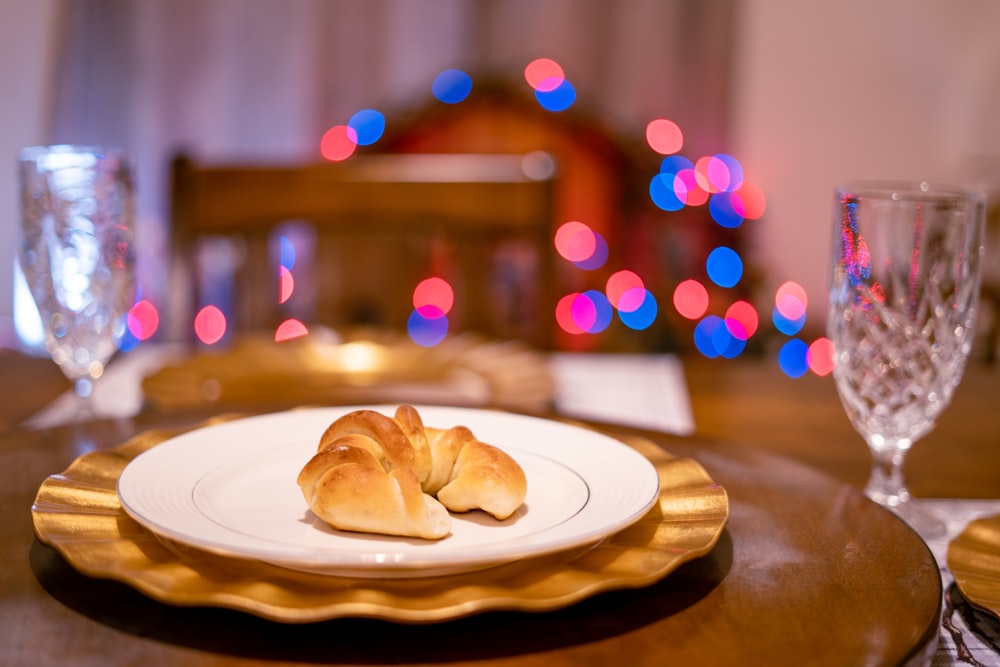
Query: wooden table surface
806	572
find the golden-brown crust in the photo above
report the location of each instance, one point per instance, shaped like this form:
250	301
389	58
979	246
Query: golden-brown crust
374	473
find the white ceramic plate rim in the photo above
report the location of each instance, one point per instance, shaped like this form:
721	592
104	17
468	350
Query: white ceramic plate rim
602	486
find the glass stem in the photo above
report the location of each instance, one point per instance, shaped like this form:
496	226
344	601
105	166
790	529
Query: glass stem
886	485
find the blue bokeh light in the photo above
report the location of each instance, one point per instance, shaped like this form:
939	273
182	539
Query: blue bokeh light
724	266
603	312
704	335
128	341
720	207
286	252
726	344
452	86
713	338
663	194
426	331
786	325
793	358
643	316
559	98
735	171
369	125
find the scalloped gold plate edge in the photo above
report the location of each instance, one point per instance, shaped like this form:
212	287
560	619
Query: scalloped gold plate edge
78	514
974	560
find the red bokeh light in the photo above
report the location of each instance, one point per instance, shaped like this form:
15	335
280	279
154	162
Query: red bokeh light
575	241
289	329
664	136
791	300
746	315
143	320
619	283
691	299
209	325
338	143
286	284
820	356
749	201
433	297
544	74
565	316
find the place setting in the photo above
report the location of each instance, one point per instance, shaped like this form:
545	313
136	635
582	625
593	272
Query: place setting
239	507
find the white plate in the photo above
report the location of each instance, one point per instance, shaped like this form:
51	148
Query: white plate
231	489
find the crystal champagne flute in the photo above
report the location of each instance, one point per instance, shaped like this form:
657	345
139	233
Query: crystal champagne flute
903	298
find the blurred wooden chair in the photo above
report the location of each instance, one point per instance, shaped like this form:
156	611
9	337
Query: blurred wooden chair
368	230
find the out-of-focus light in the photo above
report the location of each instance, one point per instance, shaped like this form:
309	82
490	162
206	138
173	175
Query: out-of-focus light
286	252
721	208
632	299
714	339
544	74
687	189
286	284
662	191
209	325
575	241
704	172
726	172
724	266
691	299
338	143
792	358
143	319
559	98
749	201
642	316
452	86
791	300
369	126
564	314
598	258
289	329
592	311
619	283
433	297
704	335
746	315
674	164
584	312
426	331
785	325
820	356
664	136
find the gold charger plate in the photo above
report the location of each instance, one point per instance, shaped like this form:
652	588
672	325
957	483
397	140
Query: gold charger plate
974	561
355	367
78	513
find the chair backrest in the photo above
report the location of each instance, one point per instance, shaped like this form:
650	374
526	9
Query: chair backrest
366	232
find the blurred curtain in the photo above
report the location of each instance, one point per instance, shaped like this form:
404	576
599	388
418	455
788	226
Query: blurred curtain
260	78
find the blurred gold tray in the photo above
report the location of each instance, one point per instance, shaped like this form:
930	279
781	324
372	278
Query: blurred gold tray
356	367
78	513
974	560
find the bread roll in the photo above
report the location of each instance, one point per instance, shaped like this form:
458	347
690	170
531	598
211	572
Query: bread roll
378	474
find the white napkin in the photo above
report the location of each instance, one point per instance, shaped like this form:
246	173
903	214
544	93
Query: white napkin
645	391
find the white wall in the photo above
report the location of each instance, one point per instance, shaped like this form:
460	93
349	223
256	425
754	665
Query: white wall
832	91
26	38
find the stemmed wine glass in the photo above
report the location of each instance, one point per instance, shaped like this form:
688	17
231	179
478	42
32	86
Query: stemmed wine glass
903	298
77	253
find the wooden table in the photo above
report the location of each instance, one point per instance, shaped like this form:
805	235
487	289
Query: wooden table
806	572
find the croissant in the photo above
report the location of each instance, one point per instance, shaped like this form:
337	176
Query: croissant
392	475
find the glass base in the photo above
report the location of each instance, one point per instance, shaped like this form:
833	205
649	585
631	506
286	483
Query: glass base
925	523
